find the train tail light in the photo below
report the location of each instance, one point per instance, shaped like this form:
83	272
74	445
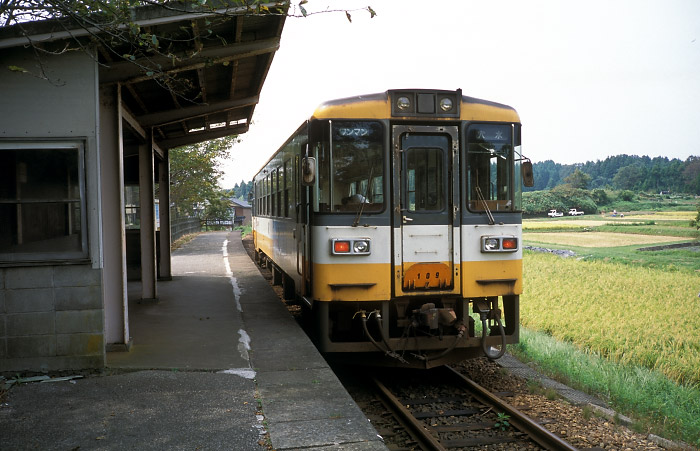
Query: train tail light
499	244
351	246
341	247
510	244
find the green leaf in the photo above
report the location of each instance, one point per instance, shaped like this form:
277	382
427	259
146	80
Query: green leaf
303	11
154	40
150	73
18	69
371	12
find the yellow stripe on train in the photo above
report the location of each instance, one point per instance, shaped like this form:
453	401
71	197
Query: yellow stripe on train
352	282
492	278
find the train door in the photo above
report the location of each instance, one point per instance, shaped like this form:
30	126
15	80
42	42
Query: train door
301	230
426	254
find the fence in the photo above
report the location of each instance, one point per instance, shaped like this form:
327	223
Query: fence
216	224
180	227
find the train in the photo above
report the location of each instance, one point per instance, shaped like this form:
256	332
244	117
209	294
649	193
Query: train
395	220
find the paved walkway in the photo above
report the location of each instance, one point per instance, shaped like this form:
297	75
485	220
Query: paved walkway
215	350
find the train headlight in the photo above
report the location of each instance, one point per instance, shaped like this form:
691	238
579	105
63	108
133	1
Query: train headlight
350	246
490	244
360	247
403	103
446	104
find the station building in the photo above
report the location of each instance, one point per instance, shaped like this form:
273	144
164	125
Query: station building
80	127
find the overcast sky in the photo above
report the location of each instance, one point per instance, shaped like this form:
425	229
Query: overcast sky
589	79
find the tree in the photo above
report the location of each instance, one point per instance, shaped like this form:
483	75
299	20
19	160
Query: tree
241	191
195	174
578	179
218	206
628	177
691	174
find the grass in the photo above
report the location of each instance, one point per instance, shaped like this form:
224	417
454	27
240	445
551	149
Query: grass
657	404
245	230
182	241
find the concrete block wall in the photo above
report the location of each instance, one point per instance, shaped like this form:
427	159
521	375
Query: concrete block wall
51	318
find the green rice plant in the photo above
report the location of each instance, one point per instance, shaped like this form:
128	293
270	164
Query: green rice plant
661	406
531	225
678	230
630	315
598	239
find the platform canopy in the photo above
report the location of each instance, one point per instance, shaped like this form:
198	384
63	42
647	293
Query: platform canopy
205	83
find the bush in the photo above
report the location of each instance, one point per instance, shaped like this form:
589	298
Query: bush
540	202
561	198
600	196
626	195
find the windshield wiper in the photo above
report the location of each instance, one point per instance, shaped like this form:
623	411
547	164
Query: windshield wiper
356	222
486	206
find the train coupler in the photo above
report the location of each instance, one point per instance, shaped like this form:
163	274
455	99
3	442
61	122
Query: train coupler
431	317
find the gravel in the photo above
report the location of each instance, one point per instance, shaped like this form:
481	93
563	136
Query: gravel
579	425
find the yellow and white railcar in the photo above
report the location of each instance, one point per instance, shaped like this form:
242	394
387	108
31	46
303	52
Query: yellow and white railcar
395	219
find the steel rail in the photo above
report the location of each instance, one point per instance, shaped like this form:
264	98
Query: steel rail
415	427
522	422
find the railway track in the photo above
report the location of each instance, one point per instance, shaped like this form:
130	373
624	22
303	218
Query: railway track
468	417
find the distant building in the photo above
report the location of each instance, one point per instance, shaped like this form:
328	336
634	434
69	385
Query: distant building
242	212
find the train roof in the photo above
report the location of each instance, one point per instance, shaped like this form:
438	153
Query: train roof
379	106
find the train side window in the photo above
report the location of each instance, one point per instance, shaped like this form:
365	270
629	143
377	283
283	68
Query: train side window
288	175
273	193
268	210
280	187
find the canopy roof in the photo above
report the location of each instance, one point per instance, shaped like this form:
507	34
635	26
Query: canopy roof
209	89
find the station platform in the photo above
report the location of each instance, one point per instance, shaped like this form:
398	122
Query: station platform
217	363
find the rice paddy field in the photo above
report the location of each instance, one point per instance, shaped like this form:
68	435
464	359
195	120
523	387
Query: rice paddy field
636	309
632	315
597	239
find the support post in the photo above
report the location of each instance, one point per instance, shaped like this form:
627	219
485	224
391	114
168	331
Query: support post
114	286
147	214
164	209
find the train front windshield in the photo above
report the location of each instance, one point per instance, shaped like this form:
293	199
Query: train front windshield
492	154
350	167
